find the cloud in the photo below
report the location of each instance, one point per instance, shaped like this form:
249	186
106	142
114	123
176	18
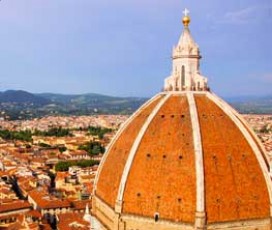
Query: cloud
246	15
239	17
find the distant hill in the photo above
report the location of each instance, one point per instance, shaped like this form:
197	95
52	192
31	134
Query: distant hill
95	102
85	99
252	104
244	104
20	96
18	104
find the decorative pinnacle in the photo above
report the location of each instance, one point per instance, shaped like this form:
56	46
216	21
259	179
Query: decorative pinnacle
186	19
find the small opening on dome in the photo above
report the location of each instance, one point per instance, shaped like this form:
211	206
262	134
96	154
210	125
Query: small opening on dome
158	197
172	116
218	200
179	200
164	156
180	157
183	134
187	143
156	217
162	116
148	155
182	116
138	194
243	156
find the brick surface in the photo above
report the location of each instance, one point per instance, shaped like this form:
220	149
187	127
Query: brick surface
111	173
162	178
234	183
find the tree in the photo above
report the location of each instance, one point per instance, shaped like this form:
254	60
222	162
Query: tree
54	132
98	131
63	166
62	149
16	135
93	148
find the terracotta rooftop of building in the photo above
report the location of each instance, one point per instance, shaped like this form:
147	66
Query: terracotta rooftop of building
45	201
15	205
72	221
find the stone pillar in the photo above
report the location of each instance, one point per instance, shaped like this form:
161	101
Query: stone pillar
118	206
93	210
118	210
270	164
270	215
200	221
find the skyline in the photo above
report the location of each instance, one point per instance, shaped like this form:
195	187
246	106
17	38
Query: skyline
124	48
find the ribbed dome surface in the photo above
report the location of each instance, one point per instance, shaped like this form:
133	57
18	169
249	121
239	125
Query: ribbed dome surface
182	152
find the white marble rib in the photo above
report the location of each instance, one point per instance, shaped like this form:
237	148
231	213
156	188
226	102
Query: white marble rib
121	129
135	148
200	186
249	129
231	113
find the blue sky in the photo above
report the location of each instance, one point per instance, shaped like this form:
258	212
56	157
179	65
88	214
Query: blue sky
123	48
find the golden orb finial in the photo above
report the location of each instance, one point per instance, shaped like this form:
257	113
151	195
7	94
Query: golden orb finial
186	19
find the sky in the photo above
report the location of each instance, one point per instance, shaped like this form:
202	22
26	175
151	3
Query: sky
123	48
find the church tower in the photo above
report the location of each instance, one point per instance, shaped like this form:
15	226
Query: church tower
186	61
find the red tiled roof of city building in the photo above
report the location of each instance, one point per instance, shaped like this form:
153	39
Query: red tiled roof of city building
72	221
45	201
15	205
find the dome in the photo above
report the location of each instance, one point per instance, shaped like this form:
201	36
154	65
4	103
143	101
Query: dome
184	160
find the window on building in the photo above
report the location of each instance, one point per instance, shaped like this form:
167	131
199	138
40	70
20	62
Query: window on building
183	76
156	217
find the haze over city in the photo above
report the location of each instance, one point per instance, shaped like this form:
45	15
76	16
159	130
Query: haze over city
123	48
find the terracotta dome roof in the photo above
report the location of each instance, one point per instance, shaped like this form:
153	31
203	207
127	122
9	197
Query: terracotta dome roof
184	160
154	164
